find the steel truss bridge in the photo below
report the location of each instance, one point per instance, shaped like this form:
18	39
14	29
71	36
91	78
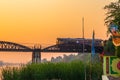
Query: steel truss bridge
36	50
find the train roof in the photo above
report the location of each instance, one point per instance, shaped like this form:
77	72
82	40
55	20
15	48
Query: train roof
76	39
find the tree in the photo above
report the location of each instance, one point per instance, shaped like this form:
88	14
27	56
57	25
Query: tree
109	47
113	16
113	13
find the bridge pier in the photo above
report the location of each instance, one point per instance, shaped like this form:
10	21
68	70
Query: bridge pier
36	56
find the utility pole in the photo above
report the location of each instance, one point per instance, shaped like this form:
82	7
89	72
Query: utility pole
83	33
83	42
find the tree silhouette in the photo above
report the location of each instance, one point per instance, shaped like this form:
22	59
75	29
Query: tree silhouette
113	13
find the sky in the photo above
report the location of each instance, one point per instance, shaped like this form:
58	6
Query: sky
42	21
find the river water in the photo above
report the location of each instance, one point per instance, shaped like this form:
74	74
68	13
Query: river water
25	57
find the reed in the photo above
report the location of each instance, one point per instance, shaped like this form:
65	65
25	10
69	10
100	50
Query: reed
53	71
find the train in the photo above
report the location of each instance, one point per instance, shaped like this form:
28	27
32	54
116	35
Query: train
70	41
76	44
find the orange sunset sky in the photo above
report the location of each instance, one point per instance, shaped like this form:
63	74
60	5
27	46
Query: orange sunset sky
42	21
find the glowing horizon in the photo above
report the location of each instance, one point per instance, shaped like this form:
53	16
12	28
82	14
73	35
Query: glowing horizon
39	21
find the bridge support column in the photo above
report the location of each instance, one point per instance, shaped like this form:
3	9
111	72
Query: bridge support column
36	56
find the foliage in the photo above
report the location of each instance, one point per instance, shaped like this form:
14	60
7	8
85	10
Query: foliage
109	47
74	70
117	52
10	73
113	13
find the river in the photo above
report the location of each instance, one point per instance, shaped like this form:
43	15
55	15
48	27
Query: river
25	57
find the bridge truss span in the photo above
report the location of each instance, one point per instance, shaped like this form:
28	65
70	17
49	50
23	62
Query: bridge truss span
53	48
14	47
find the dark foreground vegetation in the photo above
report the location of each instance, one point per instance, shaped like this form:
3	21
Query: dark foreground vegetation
74	70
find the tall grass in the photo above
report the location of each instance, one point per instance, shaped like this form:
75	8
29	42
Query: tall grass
53	71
